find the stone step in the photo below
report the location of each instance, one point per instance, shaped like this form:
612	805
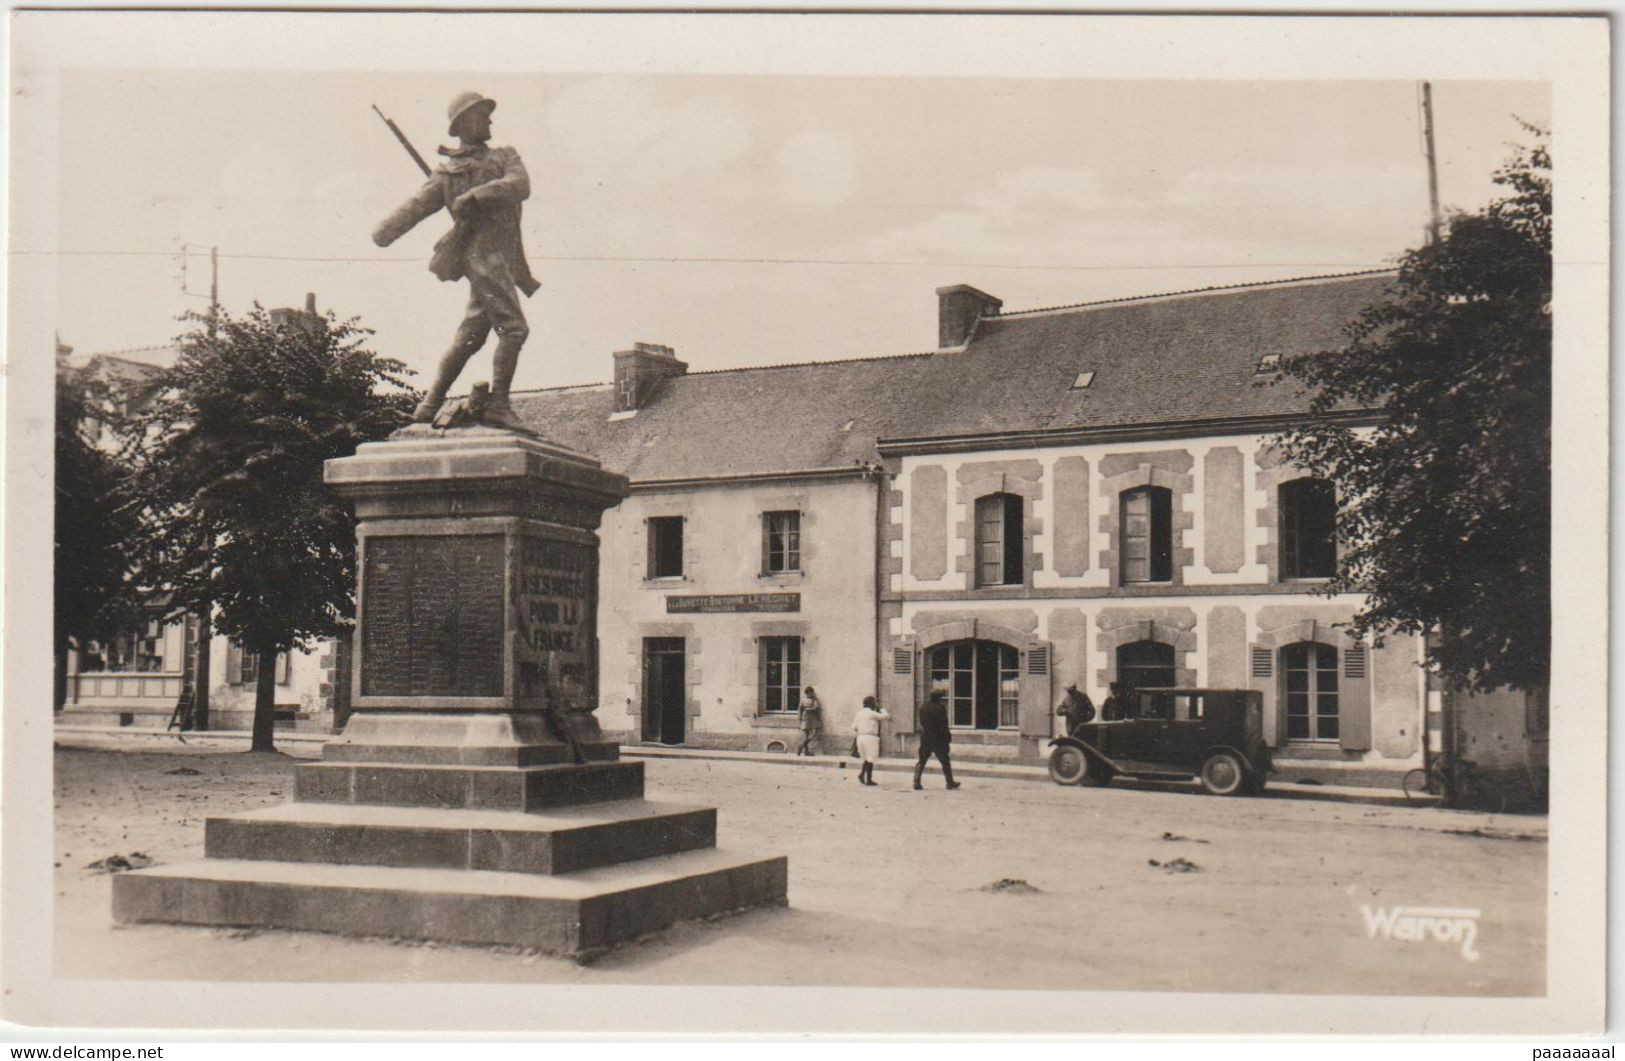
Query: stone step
340	751
573	915
467	787
564	840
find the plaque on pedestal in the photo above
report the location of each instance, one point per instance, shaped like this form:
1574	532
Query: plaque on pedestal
471	797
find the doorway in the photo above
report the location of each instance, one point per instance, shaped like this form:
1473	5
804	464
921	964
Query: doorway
665	696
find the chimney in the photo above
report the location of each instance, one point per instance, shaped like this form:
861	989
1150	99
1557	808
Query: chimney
288	317
639	371
958	309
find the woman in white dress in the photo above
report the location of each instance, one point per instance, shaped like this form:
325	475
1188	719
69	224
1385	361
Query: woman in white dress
867	726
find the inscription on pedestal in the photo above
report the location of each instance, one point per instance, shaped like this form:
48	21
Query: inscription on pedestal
555	624
432	616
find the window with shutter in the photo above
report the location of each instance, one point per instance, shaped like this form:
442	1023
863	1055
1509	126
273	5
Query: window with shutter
1261	663
902	661
1354	662
1000	540
1145	535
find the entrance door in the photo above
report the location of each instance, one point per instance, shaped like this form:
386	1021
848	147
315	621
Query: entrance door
664	696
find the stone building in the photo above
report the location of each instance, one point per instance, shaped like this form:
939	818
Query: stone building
742	568
1084	494
1089	495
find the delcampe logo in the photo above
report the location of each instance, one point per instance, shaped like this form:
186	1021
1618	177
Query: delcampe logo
1419	924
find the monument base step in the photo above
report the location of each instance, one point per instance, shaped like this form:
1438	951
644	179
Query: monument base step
571	915
504	788
562	840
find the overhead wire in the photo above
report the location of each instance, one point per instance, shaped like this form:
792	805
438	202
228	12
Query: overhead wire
724	260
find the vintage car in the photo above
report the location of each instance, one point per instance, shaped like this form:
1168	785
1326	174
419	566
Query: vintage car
1213	735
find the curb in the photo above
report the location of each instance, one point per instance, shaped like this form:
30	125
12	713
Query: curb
1277	789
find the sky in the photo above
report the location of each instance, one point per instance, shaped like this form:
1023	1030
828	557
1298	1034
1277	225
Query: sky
747	219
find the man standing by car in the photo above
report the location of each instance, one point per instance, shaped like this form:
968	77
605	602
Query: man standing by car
1116	705
1076	708
934	739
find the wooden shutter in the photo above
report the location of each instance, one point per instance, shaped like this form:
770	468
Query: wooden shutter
1262	674
1353	722
902	661
234	663
1354	703
1038	659
283	668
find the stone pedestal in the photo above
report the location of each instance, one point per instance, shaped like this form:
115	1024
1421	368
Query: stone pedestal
471	797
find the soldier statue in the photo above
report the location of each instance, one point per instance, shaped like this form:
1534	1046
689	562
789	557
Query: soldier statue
482	186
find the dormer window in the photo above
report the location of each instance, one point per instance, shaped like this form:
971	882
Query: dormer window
1083	381
1267	364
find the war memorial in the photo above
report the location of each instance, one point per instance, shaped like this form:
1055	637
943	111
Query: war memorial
472	797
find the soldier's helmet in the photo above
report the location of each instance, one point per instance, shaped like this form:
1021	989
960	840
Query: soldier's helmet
465	103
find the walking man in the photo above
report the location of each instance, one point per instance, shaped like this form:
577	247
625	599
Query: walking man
934	739
482	186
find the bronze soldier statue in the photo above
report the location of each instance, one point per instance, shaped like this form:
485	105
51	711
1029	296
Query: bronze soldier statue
482	186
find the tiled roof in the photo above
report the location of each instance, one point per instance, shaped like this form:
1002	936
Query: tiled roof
1158	359
748	421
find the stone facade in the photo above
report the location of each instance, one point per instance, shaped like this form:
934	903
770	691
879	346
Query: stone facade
1225	618
722	609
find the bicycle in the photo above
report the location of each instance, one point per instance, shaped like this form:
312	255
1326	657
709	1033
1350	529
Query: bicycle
1455	783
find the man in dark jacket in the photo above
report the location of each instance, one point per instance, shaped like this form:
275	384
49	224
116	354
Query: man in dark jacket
934	739
1076	708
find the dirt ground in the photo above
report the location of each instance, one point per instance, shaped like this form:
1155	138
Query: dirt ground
900	888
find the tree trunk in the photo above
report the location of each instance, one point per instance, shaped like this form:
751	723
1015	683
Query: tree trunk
265	702
200	670
59	678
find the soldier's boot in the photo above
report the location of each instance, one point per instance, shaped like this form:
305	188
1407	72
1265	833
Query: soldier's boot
499	411
467	341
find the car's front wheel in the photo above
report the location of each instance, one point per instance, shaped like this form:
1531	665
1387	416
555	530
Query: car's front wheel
1224	774
1068	765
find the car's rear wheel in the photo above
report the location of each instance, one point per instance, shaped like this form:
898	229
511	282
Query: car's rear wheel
1224	774
1099	774
1068	765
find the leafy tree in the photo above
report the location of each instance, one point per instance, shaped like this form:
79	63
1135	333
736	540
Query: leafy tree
92	599
229	467
1444	507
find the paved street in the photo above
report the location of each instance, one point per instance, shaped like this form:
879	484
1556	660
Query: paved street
1002	884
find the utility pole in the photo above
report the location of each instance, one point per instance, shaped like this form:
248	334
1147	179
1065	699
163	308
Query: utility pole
1433	163
202	618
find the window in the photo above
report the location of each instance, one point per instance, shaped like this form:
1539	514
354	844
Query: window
666	547
781	542
1308	522
1000	543
141	653
781	674
1310	673
243	667
1147	535
1144	665
982	682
